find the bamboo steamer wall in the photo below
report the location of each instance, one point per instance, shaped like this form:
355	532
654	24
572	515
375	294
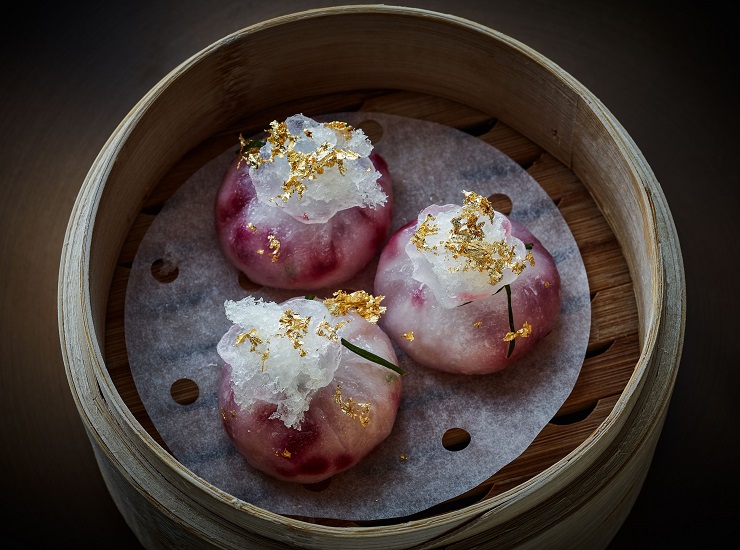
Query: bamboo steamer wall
293	64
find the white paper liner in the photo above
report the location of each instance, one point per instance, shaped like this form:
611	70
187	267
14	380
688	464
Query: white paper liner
172	330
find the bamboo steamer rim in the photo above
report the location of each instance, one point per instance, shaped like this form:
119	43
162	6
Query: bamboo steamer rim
83	357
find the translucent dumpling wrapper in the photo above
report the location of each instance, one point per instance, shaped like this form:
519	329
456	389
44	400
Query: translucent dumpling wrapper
309	209
467	290
295	402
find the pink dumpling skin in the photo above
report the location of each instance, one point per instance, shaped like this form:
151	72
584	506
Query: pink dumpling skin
467	339
311	256
329	441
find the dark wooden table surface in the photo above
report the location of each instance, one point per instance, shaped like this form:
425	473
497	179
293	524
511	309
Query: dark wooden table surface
70	73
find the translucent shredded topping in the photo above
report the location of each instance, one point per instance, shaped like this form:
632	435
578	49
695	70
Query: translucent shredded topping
313	170
281	354
464	253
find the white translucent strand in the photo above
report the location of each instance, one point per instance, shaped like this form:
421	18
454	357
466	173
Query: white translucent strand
331	191
436	267
269	367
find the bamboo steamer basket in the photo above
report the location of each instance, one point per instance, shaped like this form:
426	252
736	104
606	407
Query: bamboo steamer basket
576	483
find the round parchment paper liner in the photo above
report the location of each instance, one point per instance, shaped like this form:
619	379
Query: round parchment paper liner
172	329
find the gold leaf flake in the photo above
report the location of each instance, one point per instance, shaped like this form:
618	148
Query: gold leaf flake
328	331
352	409
342	127
404	457
274	246
294	327
477	323
480	203
252	227
252	336
285	453
409	336
525	331
529	258
248	152
425	229
366	305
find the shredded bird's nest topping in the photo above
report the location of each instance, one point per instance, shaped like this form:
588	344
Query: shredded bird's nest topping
467	241
312	170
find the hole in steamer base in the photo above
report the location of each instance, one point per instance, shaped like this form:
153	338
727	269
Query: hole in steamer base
184	391
455	439
372	129
501	203
164	271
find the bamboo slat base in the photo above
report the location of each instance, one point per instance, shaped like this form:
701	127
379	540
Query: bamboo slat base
613	347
